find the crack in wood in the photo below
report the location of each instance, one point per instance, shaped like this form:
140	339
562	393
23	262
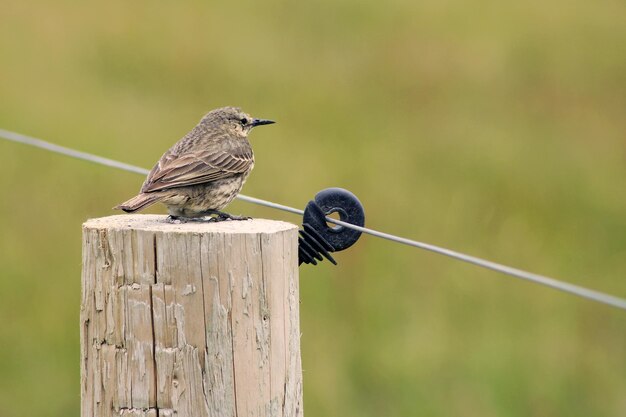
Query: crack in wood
154	360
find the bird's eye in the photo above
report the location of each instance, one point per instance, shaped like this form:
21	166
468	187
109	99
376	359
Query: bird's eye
244	121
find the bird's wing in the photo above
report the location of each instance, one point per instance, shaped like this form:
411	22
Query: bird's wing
197	168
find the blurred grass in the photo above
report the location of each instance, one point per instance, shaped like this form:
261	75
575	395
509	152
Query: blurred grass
493	128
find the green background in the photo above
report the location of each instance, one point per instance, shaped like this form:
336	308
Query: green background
493	128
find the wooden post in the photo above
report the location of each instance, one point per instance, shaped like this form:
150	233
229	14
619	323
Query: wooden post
196	319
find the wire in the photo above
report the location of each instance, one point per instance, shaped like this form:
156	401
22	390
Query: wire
282	207
517	273
27	140
514	272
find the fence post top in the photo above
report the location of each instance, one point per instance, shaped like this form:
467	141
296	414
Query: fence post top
157	223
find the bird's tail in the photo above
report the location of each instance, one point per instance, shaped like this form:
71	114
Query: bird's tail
138	202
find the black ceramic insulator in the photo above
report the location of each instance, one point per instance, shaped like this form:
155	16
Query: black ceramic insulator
318	238
312	246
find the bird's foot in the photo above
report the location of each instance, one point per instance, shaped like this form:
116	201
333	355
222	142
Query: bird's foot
175	219
221	216
181	219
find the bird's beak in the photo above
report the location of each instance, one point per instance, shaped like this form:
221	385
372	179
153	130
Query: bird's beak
259	122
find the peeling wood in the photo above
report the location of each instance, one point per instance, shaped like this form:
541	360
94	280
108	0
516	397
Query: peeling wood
189	320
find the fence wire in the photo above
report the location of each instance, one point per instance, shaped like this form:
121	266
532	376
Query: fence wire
579	291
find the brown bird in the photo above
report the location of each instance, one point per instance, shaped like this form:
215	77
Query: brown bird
204	171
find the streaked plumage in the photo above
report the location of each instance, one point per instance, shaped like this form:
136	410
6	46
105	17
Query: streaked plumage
205	170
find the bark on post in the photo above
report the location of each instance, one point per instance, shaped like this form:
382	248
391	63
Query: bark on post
196	319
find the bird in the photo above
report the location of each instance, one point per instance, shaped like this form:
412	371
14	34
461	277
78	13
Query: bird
202	172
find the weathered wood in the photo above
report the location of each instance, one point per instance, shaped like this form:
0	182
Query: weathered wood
196	319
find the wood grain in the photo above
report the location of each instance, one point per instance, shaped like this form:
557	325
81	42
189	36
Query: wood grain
197	319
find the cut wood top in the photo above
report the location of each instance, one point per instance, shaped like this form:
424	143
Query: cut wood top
154	222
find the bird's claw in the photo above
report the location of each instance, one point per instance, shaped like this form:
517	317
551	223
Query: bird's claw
175	219
219	218
180	219
225	216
